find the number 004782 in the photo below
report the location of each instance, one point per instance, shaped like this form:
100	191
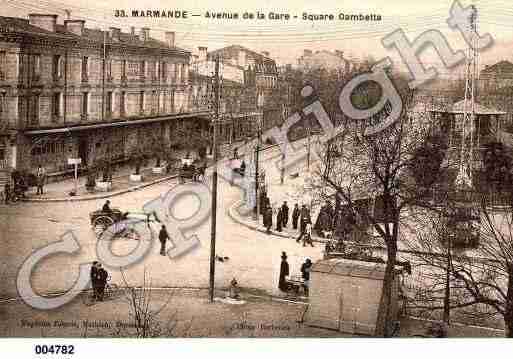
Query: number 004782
54	349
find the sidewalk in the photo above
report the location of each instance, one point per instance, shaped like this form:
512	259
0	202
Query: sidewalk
292	191
59	191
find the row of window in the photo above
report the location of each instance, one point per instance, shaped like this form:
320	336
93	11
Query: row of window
48	148
157	99
161	70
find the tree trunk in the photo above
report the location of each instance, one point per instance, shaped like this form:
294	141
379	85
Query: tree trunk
384	320
508	312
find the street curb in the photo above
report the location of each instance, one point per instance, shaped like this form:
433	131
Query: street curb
108	195
269	297
232	212
103	195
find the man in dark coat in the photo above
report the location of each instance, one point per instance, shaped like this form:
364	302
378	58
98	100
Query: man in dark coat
163	237
305	273
279	220
268	219
102	276
7	192
295	216
284	272
94	279
106	207
285	214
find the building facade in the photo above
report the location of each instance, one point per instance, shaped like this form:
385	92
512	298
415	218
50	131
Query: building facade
497	76
249	89
324	60
67	91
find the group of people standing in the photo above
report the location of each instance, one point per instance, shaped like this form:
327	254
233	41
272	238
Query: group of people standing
282	217
300	216
306	267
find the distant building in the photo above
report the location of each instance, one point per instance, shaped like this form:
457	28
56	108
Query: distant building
325	59
249	81
497	76
67	91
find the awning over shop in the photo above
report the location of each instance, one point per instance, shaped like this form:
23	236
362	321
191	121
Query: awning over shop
113	124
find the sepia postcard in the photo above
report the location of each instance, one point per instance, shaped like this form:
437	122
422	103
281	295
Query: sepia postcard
256	169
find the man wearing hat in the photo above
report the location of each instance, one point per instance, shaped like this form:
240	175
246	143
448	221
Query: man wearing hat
284	272
305	272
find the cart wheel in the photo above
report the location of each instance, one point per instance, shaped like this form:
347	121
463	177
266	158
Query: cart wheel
101	224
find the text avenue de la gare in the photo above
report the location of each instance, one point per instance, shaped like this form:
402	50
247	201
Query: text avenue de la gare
212	14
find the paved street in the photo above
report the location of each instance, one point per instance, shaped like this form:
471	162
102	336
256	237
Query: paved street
254	257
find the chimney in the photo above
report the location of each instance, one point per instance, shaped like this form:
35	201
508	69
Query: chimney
144	35
75	26
307	52
44	21
114	33
132	30
265	53
170	38
202	53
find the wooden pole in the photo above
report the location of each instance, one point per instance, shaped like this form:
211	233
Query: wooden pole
214	183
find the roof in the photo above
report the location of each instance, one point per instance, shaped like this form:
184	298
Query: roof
351	268
458	108
500	67
260	60
204	78
94	35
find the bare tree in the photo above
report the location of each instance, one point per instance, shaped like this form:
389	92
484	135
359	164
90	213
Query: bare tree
147	318
374	178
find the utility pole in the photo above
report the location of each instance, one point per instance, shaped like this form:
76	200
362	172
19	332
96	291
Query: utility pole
257	152
104	65
309	130
214	182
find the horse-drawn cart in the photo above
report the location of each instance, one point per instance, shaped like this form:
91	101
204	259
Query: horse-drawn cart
101	220
191	170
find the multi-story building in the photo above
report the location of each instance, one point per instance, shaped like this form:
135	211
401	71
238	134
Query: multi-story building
249	89
325	60
496	77
67	91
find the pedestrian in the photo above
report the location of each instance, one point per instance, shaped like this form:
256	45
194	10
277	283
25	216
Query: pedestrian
102	276
285	214
40	179
295	216
307	236
163	237
305	273
7	192
106	207
284	272
94	279
279	219
268	219
304	215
